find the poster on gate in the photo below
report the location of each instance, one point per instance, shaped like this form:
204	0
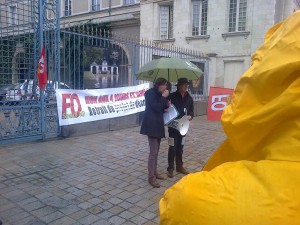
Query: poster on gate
80	106
219	98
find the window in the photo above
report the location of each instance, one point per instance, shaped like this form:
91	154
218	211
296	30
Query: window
128	2
166	22
68	8
95	5
237	15
199	17
13	14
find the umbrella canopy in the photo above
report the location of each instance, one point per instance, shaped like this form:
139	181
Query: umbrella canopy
169	68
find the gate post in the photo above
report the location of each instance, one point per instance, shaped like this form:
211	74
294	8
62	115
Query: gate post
42	97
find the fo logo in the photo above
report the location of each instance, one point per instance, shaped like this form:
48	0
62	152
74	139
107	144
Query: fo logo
70	102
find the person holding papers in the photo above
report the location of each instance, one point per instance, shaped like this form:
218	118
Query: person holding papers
153	124
184	104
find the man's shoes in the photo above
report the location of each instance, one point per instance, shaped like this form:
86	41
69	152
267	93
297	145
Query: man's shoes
170	173
154	182
181	170
158	176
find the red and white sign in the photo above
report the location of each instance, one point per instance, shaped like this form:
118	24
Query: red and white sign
79	106
219	98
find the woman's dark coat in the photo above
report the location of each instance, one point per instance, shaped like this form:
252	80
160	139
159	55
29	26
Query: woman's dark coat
153	122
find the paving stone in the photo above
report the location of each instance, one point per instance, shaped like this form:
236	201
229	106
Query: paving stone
33	206
44	195
115	200
144	203
138	220
43	211
134	199
52	217
124	195
86	197
89	219
106	205
148	215
95	201
95	210
102	222
135	209
106	215
56	202
150	223
116	210
63	221
85	205
70	209
105	197
16	218
125	205
35	221
127	214
116	220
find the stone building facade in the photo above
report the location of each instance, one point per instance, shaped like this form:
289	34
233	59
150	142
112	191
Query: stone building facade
228	32
122	16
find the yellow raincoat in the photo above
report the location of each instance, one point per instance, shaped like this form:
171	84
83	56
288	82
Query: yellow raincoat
254	176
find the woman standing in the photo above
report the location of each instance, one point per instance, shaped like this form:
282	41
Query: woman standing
153	124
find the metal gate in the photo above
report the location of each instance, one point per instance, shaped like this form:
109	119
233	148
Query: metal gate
24	27
82	56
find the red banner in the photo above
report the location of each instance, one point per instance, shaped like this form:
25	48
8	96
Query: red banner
42	71
219	98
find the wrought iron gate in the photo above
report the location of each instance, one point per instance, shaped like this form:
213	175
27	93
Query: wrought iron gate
24	27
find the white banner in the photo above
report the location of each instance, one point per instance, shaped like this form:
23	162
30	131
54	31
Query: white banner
79	106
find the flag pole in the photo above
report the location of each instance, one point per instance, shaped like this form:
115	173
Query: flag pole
42	97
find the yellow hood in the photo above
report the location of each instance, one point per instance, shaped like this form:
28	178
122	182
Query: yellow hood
262	121
253	177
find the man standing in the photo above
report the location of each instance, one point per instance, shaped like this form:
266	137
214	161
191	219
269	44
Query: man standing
184	104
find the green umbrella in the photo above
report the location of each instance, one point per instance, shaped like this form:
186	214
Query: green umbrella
169	68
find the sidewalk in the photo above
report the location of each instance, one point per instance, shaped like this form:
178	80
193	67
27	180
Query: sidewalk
96	179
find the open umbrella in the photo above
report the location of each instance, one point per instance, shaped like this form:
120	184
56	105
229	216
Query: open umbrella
169	68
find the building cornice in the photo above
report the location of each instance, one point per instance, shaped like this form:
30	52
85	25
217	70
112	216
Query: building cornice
128	14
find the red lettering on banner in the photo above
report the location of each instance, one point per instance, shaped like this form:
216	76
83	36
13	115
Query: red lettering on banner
90	99
65	104
121	96
111	98
219	98
73	98
132	94
103	98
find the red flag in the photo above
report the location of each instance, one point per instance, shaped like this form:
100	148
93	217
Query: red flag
42	71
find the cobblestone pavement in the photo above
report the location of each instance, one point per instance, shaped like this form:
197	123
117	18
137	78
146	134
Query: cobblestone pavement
95	179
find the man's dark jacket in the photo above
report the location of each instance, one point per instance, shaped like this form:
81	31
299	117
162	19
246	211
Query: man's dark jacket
153	122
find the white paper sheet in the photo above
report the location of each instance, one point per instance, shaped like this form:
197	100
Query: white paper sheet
170	115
